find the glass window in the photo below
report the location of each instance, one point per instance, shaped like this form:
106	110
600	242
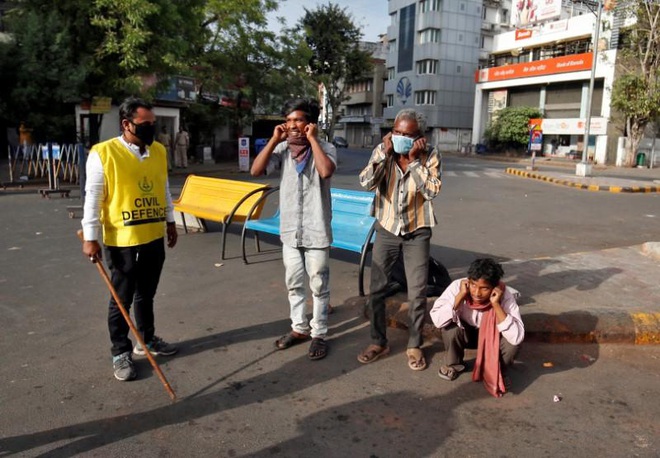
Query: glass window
427	67
430	5
390	100
391	74
425	98
429	36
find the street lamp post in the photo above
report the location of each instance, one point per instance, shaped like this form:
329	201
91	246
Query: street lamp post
584	168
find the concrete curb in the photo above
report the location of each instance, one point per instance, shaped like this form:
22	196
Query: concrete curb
651	249
587	187
605	326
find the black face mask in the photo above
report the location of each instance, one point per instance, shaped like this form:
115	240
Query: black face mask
145	132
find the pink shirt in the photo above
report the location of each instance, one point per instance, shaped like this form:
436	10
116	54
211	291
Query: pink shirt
443	313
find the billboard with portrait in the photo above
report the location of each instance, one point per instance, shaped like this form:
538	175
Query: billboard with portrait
529	12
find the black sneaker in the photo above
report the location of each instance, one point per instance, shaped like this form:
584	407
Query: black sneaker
156	347
123	366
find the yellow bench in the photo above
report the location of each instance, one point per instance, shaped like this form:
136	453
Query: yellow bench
219	200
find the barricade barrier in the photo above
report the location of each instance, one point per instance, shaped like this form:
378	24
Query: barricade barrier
32	162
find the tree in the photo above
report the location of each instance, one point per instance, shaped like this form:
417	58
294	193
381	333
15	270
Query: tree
636	90
336	57
510	128
78	49
259	69
46	76
144	38
70	50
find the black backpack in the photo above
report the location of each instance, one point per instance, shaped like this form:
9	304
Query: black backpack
437	282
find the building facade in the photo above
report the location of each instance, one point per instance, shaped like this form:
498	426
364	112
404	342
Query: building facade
434	48
361	117
549	66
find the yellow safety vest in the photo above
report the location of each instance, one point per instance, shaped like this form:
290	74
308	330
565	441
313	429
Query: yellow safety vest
134	209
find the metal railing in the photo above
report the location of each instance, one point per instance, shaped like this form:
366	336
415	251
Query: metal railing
58	163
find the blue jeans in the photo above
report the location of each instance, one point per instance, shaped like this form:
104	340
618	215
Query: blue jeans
314	262
415	249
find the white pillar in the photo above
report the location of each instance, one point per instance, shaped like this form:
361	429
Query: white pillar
477	116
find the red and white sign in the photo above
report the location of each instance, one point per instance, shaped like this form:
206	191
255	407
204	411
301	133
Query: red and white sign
573	126
564	64
524	34
244	154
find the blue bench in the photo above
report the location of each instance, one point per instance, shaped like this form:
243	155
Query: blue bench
352	224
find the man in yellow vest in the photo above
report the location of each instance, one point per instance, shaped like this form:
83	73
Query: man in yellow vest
128	203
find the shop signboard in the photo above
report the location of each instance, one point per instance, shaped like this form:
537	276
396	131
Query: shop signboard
563	64
573	126
100	105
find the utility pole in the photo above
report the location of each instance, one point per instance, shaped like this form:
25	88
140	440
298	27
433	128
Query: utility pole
583	169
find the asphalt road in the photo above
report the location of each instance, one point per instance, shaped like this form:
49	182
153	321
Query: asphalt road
482	211
239	397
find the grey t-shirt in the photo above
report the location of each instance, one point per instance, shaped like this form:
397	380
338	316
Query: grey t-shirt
305	202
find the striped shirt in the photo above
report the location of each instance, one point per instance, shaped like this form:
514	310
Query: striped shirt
403	200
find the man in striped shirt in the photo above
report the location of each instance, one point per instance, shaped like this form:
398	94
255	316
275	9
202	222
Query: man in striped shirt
405	172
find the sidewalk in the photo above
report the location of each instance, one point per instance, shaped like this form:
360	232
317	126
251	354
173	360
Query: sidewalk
608	296
561	171
596	182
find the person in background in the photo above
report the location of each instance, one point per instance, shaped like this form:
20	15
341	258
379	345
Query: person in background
181	144
129	208
165	139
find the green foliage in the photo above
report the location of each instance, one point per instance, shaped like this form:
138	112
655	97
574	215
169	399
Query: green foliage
241	56
336	58
637	97
69	50
66	51
636	91
143	38
46	74
510	128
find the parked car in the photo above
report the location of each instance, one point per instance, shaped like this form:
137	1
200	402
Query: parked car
340	142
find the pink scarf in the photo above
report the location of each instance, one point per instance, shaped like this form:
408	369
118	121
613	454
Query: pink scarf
487	366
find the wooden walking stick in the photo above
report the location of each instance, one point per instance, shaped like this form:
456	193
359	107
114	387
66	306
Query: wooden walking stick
127	317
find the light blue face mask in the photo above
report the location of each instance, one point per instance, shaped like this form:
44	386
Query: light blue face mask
402	144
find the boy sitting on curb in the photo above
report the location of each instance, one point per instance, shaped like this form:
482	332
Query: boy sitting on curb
479	309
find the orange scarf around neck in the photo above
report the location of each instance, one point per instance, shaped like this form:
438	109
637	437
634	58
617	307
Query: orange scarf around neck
487	365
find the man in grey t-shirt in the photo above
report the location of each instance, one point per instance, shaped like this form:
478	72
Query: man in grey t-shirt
306	165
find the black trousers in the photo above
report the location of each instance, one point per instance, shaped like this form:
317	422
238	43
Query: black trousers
135	272
415	248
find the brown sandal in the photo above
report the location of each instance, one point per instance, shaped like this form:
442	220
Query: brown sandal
450	373
372	353
318	349
416	359
290	339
